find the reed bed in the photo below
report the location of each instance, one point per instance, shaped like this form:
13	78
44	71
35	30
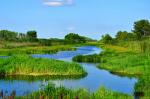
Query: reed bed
88	58
52	92
26	65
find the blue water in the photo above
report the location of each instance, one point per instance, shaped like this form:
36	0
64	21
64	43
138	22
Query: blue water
94	80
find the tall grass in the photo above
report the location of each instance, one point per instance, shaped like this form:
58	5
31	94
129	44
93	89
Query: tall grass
26	65
125	63
88	58
134	61
52	92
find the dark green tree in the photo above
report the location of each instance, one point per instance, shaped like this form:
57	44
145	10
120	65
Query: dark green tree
74	38
32	36
125	36
8	35
106	38
142	28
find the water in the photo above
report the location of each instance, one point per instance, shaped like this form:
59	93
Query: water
94	80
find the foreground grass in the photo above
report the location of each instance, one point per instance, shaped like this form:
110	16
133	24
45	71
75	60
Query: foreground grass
26	65
52	92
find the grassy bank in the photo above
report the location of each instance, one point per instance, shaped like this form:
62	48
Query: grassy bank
127	63
52	92
87	58
126	60
36	50
26	65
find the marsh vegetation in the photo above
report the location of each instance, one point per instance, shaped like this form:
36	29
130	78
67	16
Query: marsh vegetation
127	54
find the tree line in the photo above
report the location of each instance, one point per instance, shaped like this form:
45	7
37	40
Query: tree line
6	35
141	30
31	36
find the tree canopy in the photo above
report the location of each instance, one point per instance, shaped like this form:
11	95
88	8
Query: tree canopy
106	38
142	28
8	35
125	36
32	35
74	38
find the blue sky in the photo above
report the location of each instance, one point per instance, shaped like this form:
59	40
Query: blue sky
56	18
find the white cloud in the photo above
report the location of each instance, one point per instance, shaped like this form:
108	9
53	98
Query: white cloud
55	3
71	28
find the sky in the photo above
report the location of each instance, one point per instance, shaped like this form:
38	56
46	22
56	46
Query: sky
56	18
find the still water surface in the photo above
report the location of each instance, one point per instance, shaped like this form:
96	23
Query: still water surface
92	81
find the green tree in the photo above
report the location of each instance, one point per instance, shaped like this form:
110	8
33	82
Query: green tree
142	28
74	38
32	36
8	35
106	39
125	36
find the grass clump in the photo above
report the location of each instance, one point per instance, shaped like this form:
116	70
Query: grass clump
125	63
52	92
87	58
26	65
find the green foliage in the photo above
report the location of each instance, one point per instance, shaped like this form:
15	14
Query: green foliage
106	39
8	35
142	28
44	42
88	58
35	49
125	36
26	65
53	92
74	38
134	63
56	41
32	36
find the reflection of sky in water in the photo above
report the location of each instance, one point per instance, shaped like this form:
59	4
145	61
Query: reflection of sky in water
92	81
97	78
67	55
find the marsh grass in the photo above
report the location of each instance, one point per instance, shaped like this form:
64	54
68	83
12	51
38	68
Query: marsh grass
134	61
36	50
88	58
26	65
52	92
126	63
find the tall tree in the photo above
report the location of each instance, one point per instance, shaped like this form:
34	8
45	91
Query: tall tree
142	28
106	38
32	35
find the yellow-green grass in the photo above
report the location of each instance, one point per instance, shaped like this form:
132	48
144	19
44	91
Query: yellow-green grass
36	50
26	65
